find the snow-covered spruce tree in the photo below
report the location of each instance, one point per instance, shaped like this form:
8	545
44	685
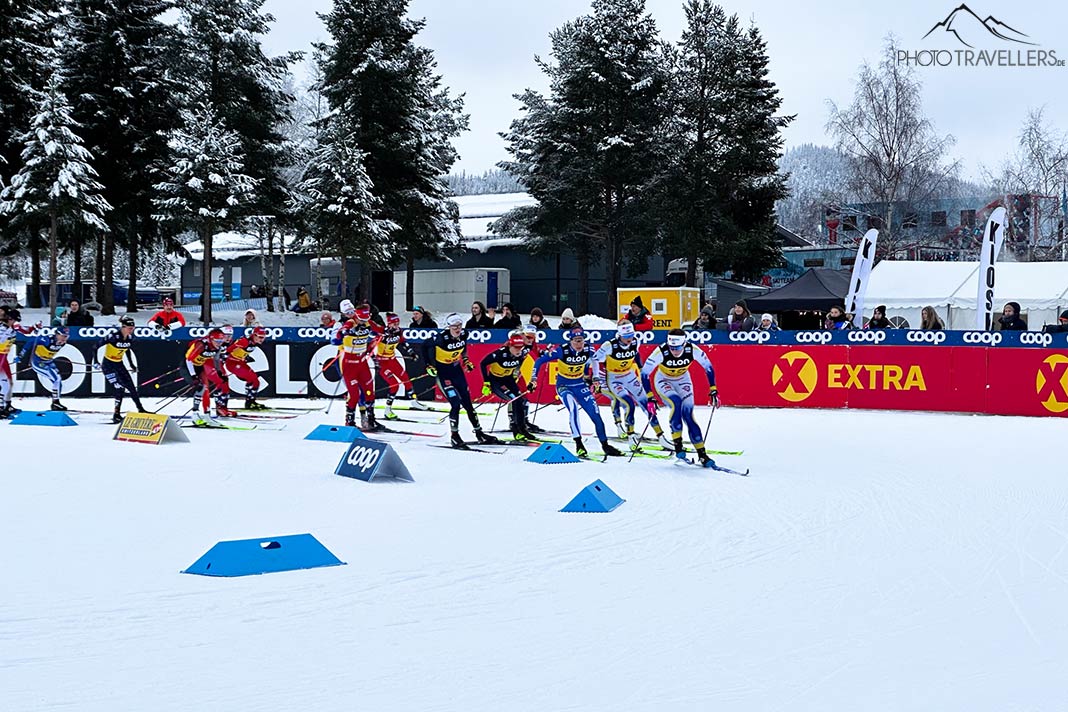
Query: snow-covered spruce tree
205	189
385	87
590	152
339	200
724	141
119	58
56	185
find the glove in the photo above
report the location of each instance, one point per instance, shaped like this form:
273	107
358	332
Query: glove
96	365
486	390
468	366
531	386
713	396
431	371
650	407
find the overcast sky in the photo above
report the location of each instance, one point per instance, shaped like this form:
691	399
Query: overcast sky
486	49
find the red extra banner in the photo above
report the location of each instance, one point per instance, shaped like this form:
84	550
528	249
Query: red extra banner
967	379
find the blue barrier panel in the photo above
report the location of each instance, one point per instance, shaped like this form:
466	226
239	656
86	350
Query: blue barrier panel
54	418
596	497
336	433
552	454
367	459
246	557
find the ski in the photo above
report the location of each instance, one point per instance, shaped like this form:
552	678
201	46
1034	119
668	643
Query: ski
242	415
429	409
216	425
282	409
717	468
468	448
383	429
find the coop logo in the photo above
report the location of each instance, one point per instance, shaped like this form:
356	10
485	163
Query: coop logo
363	458
1035	338
697	337
812	337
868	337
925	337
759	337
1051	383
962	31
982	337
794	376
309	332
479	336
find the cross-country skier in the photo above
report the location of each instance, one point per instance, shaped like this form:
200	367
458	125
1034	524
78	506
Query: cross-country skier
42	350
621	362
205	365
445	355
9	329
238	355
392	368
572	363
499	369
532	349
355	339
117	346
669	369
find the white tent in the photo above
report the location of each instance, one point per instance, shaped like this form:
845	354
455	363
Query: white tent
951	288
905	288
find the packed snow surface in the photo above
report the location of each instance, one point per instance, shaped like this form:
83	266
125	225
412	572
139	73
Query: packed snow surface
876	561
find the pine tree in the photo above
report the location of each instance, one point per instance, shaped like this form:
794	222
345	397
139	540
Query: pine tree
118	56
589	152
341	205
56	184
205	189
385	88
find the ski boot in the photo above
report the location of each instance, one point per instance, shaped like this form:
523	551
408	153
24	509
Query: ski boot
457	442
610	450
580	448
253	404
485	438
521	435
350	418
223	412
116	417
417	404
531	428
4	412
389	414
56	405
364	424
621	430
664	442
12	410
372	422
704	459
635	443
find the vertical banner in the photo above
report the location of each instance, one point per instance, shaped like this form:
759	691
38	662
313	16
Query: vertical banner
993	236
858	281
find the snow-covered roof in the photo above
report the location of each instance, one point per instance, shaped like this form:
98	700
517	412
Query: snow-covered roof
913	285
232	246
491	205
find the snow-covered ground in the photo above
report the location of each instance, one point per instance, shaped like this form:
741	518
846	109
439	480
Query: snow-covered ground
875	561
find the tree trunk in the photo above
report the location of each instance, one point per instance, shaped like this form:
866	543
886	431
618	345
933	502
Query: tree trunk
409	288
53	267
612	271
263	266
136	240
317	276
691	268
268	274
205	284
281	264
76	288
98	269
33	298
344	277
107	299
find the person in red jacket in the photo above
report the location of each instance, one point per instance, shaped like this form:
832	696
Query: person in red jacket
356	340
238	355
639	315
204	361
392	368
166	317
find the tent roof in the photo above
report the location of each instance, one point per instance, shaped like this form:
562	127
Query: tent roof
818	289
1035	285
913	285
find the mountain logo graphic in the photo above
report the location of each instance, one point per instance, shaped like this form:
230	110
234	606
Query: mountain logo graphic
969	29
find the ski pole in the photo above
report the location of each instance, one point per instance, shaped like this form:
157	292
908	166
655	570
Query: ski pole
708	425
634	446
162	375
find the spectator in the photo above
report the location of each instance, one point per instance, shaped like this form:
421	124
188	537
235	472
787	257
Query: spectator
376	313
509	320
58	319
929	320
167	316
76	316
837	319
304	304
1058	328
250	319
639	315
740	319
422	319
537	318
706	321
767	323
878	319
568	320
479	319
255	291
326	320
1010	319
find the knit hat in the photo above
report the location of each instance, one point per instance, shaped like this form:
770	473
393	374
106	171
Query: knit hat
708	310
1064	315
536	311
881	309
768	317
637	301
1015	307
567	314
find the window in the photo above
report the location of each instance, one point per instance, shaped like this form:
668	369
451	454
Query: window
849	222
967	218
938	218
873	222
197	266
911	220
814	263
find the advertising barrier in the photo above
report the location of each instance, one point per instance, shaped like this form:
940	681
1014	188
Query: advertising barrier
1006	373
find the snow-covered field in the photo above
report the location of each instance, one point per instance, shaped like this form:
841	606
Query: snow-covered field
874	561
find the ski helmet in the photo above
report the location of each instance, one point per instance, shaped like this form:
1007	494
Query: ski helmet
126	321
259	333
363	312
516	338
392	319
346	307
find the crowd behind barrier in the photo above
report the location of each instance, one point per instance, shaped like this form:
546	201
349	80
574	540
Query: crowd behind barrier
1010	373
